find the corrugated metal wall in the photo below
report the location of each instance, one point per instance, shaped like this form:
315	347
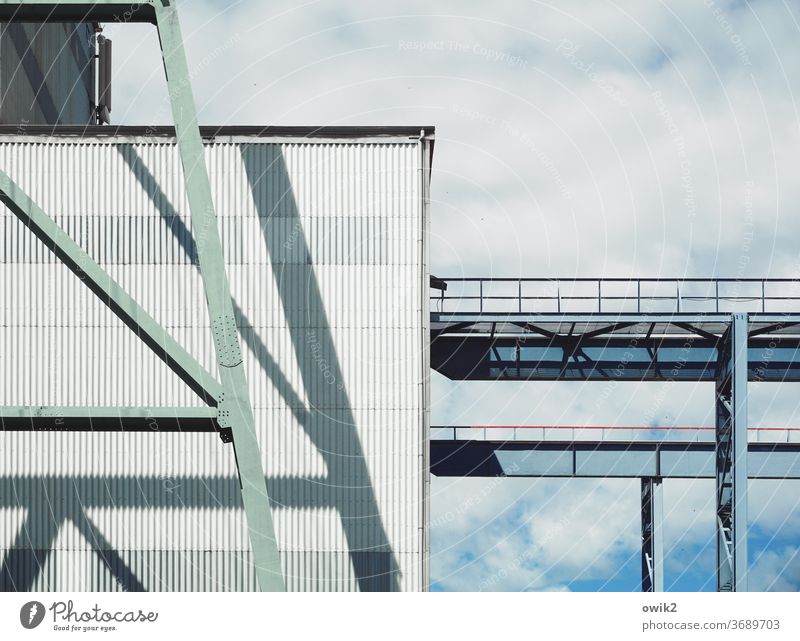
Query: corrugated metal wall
46	74
324	244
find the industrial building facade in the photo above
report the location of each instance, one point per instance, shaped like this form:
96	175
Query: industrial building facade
325	237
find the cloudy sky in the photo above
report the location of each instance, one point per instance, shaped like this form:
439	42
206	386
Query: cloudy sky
573	139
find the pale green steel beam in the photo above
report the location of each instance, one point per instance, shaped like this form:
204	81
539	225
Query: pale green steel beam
108	291
235	410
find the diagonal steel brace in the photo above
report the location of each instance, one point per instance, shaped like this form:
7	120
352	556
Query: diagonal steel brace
109	291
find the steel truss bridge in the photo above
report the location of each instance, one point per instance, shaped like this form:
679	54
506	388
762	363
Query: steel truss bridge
729	331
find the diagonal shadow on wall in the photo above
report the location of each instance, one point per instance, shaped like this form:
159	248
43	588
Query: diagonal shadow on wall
19	35
335	437
337	442
53	501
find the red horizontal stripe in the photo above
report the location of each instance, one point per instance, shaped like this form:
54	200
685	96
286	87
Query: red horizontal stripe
608	427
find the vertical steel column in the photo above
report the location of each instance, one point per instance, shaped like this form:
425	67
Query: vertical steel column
234	406
731	458
652	535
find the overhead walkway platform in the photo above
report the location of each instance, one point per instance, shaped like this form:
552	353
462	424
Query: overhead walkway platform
724	331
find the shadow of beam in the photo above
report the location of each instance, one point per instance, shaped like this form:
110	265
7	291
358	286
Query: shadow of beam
72	493
336	440
107	554
30	550
53	500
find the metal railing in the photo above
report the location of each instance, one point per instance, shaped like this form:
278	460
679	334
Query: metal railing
543	433
590	295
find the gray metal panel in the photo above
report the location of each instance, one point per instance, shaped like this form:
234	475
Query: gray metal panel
687	464
631	463
773	465
537	463
46	75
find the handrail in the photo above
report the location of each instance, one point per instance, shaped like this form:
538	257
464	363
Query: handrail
540	295
482	430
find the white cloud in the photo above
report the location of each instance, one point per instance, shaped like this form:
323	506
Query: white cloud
519	534
335	62
776	571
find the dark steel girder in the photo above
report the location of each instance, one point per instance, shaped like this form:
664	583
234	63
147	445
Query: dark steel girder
108	419
621	358
78	11
604	459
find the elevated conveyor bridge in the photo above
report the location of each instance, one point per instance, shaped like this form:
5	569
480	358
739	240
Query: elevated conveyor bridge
725	331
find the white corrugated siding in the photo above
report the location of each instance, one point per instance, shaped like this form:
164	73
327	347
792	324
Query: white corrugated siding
323	243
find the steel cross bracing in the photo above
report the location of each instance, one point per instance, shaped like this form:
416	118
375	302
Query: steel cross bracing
624	347
501	331
652	537
731	459
230	410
